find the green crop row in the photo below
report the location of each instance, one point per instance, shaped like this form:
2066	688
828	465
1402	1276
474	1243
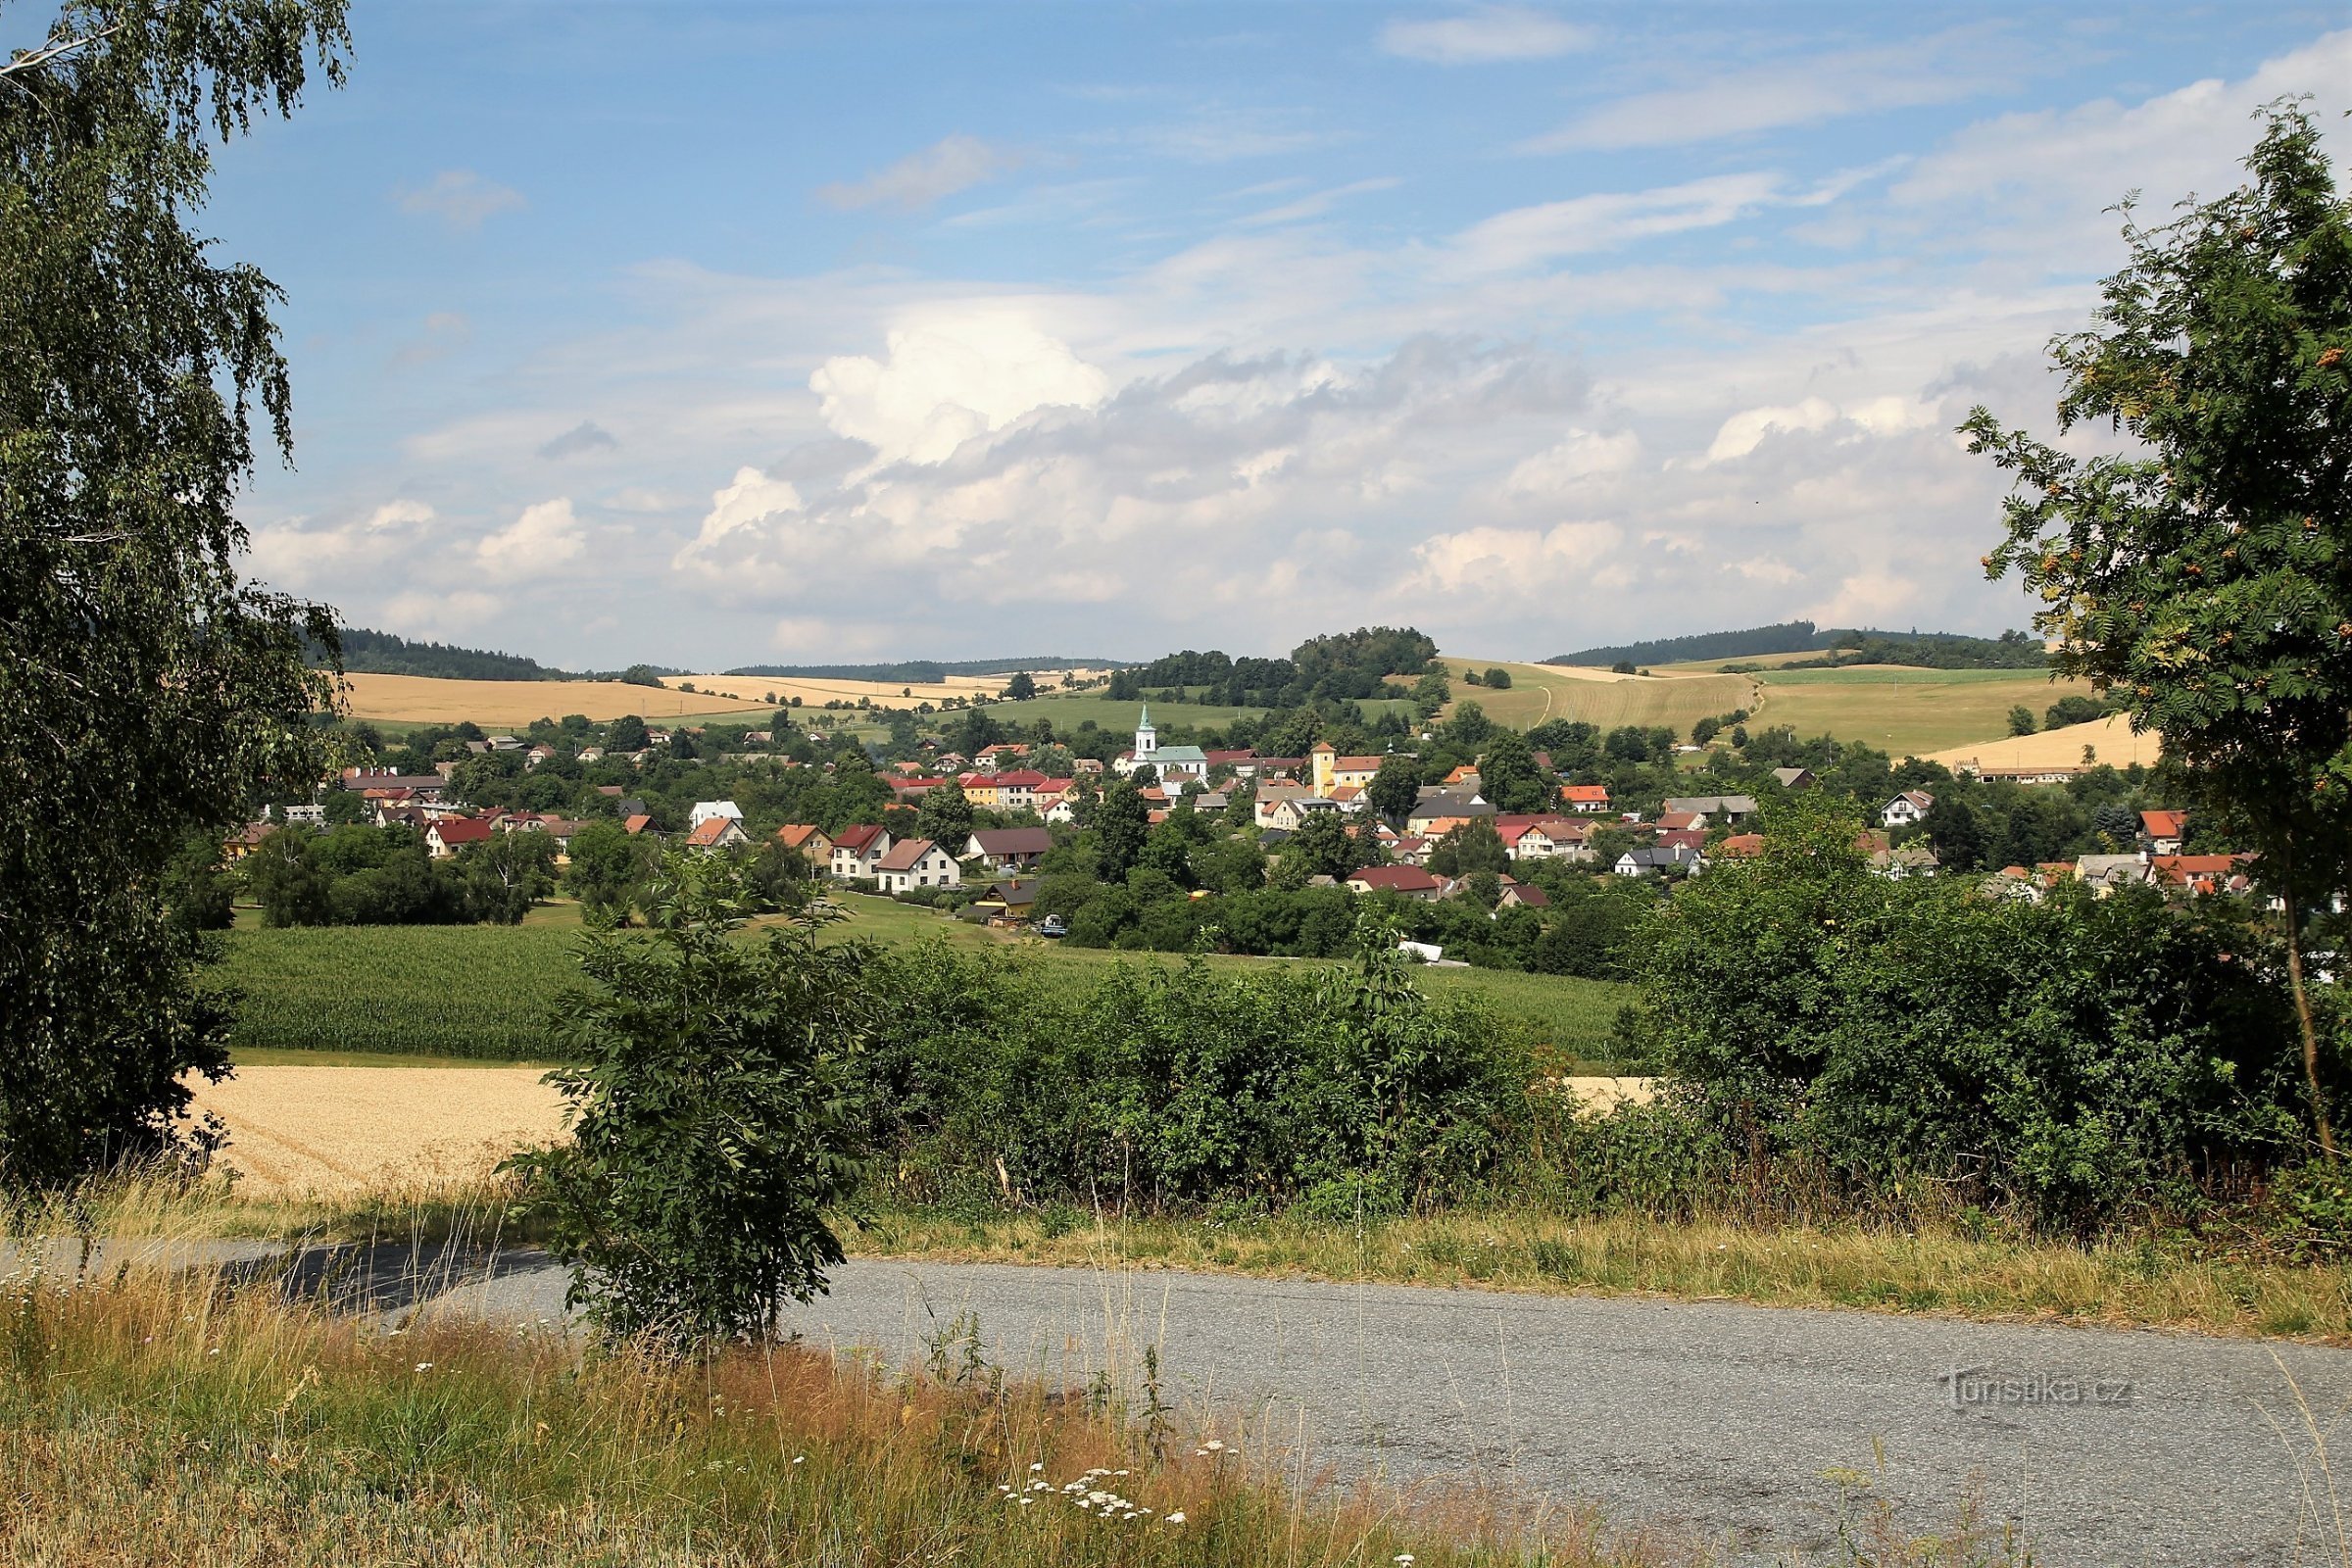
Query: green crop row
444	991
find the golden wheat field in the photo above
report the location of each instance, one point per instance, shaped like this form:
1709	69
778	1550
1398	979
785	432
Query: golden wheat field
1541	692
2110	739
514	704
816	693
334	1131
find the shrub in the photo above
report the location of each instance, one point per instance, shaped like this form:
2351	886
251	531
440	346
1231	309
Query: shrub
2076	1058
714	1117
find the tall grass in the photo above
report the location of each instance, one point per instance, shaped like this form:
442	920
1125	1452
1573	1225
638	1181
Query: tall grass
151	1416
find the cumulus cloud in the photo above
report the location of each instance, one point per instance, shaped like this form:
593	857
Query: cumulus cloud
545	536
1581	456
1748	429
751	497
950	374
1485	33
459	198
950	165
1872	597
585	436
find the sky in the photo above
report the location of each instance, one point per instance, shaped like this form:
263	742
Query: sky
708	335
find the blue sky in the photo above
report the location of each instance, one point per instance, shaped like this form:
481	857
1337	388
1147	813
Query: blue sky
719	334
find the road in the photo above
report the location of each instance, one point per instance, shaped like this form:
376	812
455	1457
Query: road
1712	1419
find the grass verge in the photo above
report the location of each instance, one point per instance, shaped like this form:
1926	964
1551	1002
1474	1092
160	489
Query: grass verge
2112	1285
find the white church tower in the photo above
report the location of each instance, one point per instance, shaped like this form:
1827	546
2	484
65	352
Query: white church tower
1146	739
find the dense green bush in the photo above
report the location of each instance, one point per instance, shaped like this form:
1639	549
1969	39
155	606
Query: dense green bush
1160	1086
2076	1058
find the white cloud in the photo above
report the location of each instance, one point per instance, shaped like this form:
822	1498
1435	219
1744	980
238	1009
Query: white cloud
543	537
1512	565
1873	598
1949	67
950	165
1581	456
1745	430
749	496
1529	235
461	198
951	373
1486	33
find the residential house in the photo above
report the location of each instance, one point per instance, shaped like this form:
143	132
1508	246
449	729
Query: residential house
1740	846
1009	849
367	779
592	754
1271	796
1523	896
1731	809
1011	901
2107	872
1793	779
1687	838
1405	881
718	833
1242	762
1908	861
637	823
1680	821
451	834
504	743
541	752
2163	832
246	840
1586	798
913	863
1437	806
1905	810
978	788
857	849
1655	862
2196	873
909	792
1330	771
705	811
1291	814
1464	777
1017	791
989	758
812	841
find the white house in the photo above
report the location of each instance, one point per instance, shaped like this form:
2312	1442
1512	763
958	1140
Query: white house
705	811
916	863
1906	809
857	849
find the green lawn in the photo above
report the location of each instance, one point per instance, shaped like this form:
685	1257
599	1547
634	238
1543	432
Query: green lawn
491	991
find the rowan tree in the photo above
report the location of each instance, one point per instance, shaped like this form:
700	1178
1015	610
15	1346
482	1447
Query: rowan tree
2203	575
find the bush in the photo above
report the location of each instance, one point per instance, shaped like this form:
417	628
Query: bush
2078	1058
714	1117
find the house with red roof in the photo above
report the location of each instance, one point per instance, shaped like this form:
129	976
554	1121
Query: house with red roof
1405	881
811	841
1585	796
453	833
2163	832
717	833
913	863
857	849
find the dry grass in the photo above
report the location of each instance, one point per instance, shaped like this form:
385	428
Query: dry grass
1938	1273
1907	713
515	703
340	1132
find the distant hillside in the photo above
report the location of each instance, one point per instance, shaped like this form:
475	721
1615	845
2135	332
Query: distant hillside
1934	650
380	652
1789	637
920	671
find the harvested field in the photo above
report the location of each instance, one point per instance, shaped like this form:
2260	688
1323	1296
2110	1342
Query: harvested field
343	1131
816	693
2111	740
340	1132
1541	692
514	704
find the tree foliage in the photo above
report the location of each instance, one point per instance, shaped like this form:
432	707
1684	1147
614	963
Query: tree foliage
714	1115
2204	575
145	691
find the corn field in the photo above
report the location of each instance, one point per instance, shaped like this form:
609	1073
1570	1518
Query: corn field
444	991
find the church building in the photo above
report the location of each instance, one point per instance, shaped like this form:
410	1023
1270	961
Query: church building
1176	764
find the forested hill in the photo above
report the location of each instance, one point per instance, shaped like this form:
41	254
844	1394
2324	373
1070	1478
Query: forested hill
921	669
1788	637
380	652
1932	650
1337	665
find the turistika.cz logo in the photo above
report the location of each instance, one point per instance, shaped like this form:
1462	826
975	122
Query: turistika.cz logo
1973	1387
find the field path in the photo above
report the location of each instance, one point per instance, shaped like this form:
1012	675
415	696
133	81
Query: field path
1709	1417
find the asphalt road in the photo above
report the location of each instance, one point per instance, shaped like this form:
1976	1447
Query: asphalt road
1714	1421
1711	1419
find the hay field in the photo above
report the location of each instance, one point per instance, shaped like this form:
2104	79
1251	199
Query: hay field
1541	692
514	704
2111	738
1907	711
338	1131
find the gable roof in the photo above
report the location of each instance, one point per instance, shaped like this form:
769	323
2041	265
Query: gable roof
635	823
904	854
462	830
857	836
1013	840
1394	879
713	830
1595	794
2164	824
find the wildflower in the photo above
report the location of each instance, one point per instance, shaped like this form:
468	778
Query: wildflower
1175	1518
1034	1468
425	1366
1025	1502
799	1458
1406	1558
